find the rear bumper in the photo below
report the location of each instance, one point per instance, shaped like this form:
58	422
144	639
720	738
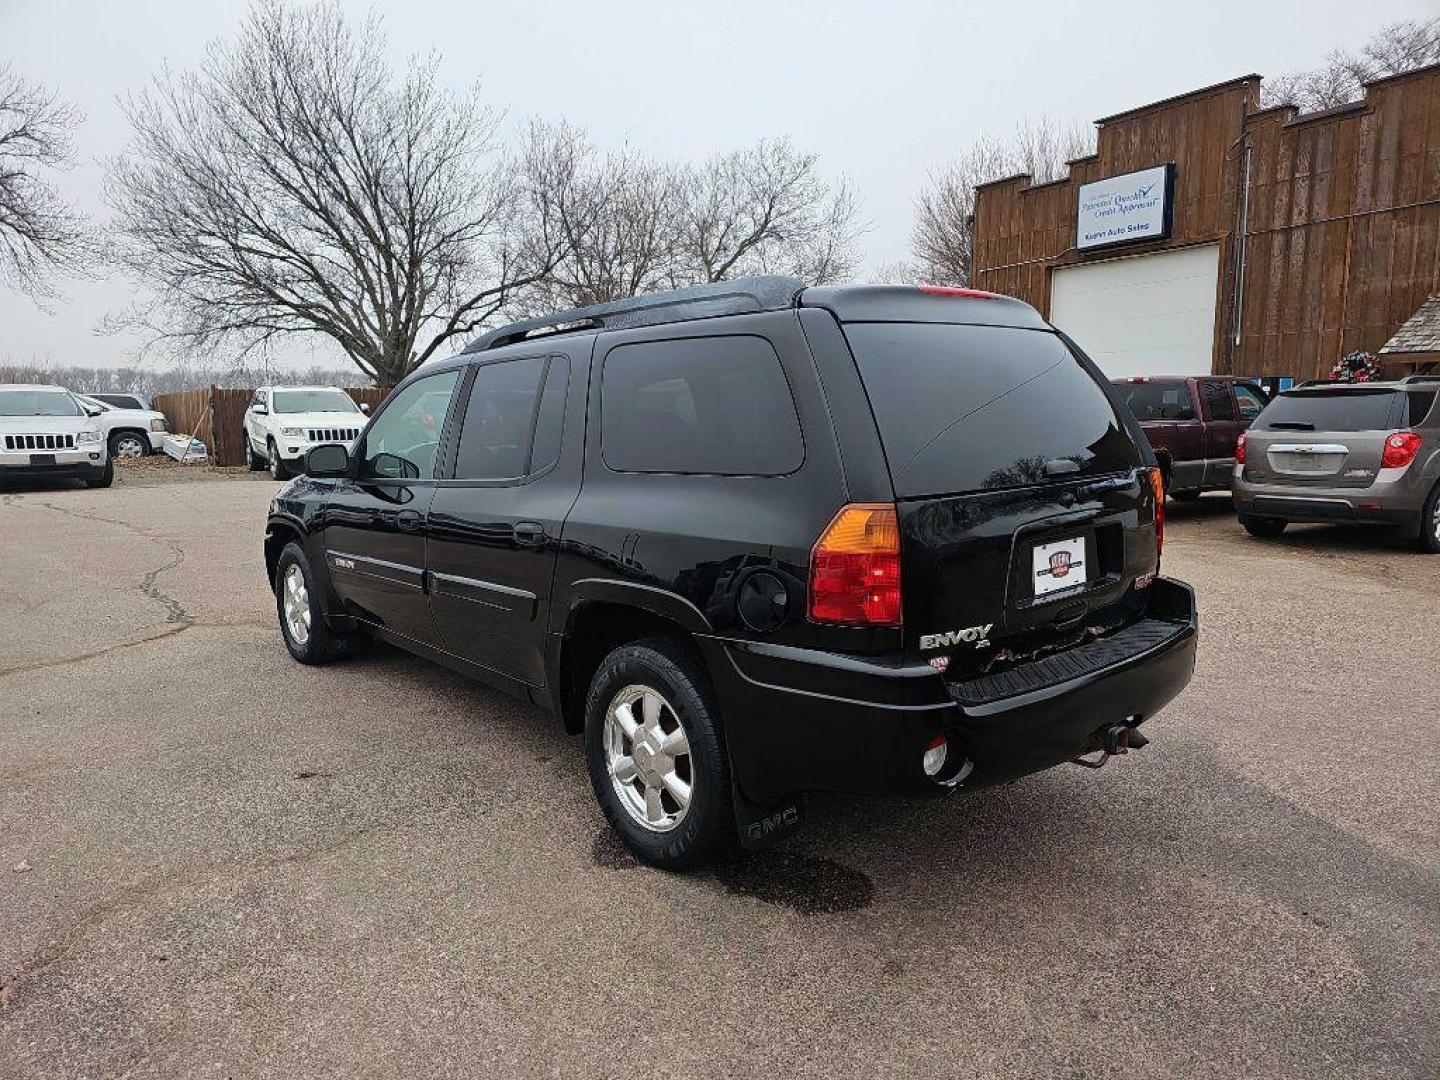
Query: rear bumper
1385	502
801	720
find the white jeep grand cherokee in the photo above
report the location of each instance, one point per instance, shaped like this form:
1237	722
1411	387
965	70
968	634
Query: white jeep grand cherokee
46	432
129	433
283	422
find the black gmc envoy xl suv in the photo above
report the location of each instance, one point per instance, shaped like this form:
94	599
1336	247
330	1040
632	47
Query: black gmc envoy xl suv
755	539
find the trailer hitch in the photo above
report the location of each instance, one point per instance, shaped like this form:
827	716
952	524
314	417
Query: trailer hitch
1117	739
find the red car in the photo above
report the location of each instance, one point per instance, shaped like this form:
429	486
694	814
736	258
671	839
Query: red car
1192	422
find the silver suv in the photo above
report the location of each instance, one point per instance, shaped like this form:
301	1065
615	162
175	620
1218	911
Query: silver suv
1359	452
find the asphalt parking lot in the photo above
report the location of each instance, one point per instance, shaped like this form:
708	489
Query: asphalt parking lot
215	862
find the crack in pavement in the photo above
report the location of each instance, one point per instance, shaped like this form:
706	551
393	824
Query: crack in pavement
168	631
174	611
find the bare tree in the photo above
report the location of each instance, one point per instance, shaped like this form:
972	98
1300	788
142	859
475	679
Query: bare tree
765	210
1395	49
631	224
294	186
615	217
39	230
942	241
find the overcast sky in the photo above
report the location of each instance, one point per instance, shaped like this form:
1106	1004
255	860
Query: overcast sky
883	91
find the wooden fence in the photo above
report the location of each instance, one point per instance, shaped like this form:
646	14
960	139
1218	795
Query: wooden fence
216	416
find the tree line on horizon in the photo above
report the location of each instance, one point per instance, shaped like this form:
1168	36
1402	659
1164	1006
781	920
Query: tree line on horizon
294	185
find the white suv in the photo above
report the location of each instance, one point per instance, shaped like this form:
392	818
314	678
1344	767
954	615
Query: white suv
45	432
283	422
129	433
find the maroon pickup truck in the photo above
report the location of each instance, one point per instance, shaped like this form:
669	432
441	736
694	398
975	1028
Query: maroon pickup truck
1192	423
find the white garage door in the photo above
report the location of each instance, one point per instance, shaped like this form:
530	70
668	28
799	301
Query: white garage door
1146	315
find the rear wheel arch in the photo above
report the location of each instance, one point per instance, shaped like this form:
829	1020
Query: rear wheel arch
596	627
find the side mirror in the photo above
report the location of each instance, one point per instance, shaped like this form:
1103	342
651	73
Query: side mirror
259	410
365	407
394	467
332	459
91	411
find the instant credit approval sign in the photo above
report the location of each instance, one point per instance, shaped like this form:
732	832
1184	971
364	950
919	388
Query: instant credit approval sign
1119	209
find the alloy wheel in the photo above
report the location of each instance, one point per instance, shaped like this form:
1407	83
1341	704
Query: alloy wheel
129	446
647	755
295	596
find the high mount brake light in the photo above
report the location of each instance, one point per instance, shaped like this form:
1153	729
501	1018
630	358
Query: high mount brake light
1400	449
955	290
1157	485
855	568
1240	448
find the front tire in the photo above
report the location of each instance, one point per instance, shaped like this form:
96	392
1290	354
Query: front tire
302	622
252	459
1262	526
1429	541
127	444
278	469
657	757
106	477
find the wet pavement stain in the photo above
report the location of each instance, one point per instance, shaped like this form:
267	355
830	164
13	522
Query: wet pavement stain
808	885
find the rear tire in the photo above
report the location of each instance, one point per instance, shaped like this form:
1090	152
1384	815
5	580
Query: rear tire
1262	526
302	622
1429	541
657	691
252	459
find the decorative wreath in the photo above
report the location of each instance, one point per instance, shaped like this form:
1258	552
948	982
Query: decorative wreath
1357	366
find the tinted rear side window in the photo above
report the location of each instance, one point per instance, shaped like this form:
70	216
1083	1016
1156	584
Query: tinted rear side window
1157	400
717	405
1420	406
1330	410
972	408
495	437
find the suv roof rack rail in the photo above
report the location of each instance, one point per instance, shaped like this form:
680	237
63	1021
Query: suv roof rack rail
738	297
1409	379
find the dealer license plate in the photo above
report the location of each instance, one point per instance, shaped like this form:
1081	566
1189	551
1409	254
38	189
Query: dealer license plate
1059	566
42	459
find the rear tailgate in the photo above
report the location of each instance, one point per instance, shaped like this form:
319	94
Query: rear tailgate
1025	509
1326	438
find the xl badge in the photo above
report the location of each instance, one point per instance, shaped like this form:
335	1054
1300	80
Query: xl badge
979	636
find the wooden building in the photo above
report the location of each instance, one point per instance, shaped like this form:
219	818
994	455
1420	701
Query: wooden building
1207	234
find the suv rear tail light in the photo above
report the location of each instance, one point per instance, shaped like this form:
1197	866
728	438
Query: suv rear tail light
1400	449
1157	485
855	567
1240	449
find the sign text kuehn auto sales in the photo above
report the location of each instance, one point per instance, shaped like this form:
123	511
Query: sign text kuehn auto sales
1119	209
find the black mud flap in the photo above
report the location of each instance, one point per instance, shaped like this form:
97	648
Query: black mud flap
761	826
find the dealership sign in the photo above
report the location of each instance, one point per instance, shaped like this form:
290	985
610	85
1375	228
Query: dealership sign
1122	209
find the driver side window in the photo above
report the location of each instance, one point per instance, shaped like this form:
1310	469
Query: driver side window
402	442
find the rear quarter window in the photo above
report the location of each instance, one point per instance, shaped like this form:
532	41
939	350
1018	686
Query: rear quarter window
715	405
1421	405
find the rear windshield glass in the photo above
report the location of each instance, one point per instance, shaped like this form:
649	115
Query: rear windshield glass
972	408
1330	410
1157	401
37	403
298	401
